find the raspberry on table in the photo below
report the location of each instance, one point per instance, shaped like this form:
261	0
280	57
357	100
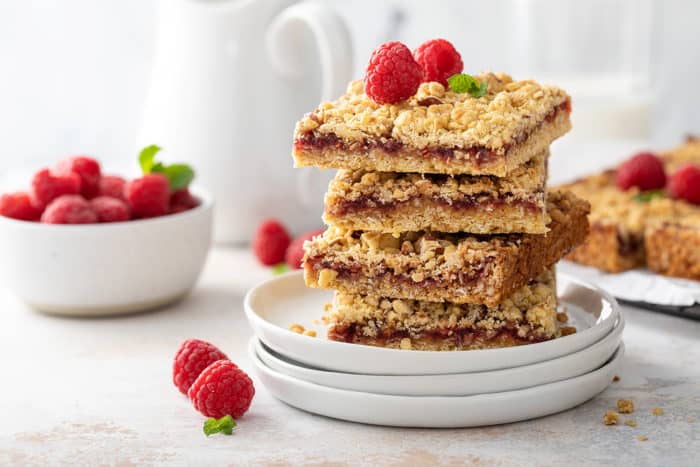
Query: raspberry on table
148	196
110	209
19	206
87	168
271	242
69	209
112	186
191	359
295	252
392	74
439	60
182	200
644	171
47	186
222	389
685	184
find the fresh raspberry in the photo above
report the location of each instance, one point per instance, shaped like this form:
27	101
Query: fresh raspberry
439	60
46	187
69	209
110	209
182	200
295	252
87	168
685	183
271	242
645	171
392	74
112	186
19	206
222	389
149	196
191	359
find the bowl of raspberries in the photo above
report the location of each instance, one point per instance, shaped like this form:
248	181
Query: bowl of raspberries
81	242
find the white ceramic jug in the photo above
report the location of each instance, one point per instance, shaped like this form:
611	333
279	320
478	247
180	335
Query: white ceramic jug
230	79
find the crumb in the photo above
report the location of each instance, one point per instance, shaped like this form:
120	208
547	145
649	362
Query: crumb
625	406
657	411
616	379
611	417
690	420
631	423
316	322
310	333
298	328
642	438
405	344
327	307
566	330
562	317
325	320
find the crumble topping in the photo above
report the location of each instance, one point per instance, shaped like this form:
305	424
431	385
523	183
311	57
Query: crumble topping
611	418
507	111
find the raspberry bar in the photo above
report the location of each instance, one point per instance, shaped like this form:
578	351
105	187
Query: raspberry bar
526	316
459	268
401	202
673	247
435	131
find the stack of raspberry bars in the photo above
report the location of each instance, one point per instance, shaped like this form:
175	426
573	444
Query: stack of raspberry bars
441	233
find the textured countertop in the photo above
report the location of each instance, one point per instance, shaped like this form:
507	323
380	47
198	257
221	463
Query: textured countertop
99	391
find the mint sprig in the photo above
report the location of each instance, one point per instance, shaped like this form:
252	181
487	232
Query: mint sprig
179	175
224	425
646	196
280	268
463	83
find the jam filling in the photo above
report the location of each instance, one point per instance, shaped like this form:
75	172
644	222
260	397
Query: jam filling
460	338
353	272
466	202
389	145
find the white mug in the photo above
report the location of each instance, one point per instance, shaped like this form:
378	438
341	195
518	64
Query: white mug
230	78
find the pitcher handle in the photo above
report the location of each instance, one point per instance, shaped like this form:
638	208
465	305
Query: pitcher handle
332	39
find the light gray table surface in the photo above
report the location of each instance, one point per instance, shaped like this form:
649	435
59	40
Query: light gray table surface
99	392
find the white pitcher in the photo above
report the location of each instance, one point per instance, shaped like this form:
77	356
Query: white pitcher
230	79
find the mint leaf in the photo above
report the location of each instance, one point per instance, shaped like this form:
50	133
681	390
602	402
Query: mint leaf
224	425
179	175
147	158
646	196
463	83
280	268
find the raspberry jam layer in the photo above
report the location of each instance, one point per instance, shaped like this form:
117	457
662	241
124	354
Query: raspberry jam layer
389	145
466	202
457	338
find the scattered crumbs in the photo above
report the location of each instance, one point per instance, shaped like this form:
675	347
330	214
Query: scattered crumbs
657	411
325	319
562	317
298	328
690	420
631	423
405	344
625	406
327	307
642	438
316	322
567	330
611	417
616	379
310	333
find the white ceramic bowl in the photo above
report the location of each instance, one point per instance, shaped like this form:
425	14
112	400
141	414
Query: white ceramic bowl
101	269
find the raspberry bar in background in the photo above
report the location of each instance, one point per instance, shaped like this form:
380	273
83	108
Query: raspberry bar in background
408	202
436	130
643	214
433	266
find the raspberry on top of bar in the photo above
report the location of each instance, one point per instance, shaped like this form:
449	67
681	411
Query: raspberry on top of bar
437	130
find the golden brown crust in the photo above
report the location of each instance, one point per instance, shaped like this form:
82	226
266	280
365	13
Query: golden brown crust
528	315
512	122
459	268
401	202
673	249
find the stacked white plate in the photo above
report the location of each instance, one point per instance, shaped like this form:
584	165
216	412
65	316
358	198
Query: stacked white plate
430	389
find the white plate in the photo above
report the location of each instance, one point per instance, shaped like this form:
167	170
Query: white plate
461	384
274	305
437	412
